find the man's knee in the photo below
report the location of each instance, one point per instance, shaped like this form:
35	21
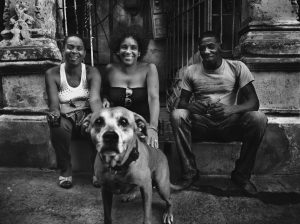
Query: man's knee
178	114
256	119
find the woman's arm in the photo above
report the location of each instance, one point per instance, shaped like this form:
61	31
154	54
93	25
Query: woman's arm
52	75
153	95
153	100
95	87
52	80
105	86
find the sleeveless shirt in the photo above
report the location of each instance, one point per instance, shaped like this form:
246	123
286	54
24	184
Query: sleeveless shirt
73	98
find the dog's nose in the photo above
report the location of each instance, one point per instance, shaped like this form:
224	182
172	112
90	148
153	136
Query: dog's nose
110	137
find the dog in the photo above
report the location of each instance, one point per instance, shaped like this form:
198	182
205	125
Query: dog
125	161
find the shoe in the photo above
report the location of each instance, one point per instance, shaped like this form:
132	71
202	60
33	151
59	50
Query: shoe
95	182
65	182
246	185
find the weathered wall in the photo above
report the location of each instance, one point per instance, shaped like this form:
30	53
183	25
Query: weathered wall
271	12
28	48
24	92
270	46
278	90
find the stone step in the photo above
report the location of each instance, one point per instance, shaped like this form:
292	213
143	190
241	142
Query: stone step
278	154
25	142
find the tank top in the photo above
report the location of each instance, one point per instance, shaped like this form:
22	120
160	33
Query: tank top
135	100
73	98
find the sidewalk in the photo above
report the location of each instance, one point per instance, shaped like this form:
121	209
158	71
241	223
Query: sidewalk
32	196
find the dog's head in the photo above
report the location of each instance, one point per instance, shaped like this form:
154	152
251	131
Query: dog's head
114	131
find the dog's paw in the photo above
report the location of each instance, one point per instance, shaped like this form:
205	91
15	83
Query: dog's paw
168	218
128	197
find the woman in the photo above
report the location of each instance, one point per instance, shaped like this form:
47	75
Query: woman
73	90
131	83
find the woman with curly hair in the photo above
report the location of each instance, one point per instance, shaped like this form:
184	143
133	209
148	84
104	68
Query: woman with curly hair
130	82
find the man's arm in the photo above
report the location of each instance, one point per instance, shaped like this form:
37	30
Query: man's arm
250	100
95	86
250	103
193	108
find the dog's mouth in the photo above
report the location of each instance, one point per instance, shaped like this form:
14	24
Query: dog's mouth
110	158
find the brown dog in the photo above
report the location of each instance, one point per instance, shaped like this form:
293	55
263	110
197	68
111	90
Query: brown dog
125	161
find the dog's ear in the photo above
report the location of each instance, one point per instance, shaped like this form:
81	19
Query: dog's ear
141	124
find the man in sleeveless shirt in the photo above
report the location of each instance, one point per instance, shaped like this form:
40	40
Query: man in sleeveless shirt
216	114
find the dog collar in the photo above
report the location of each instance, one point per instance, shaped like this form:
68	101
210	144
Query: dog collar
133	156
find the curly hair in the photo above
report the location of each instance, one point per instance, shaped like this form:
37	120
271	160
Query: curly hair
134	31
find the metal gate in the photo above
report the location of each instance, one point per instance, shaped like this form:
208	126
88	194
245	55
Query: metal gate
188	19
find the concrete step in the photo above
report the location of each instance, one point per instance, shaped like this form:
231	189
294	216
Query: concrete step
278	154
25	142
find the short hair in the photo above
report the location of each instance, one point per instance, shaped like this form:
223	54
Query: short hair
136	32
74	35
209	34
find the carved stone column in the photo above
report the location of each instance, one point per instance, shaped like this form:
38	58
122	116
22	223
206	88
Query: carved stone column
270	46
28	48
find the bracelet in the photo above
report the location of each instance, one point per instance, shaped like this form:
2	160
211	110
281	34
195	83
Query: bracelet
153	128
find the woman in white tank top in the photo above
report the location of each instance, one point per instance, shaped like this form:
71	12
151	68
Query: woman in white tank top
73	91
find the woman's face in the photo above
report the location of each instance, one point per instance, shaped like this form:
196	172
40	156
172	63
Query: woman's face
74	52
129	51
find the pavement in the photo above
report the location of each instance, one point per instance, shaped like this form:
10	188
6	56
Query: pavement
32	196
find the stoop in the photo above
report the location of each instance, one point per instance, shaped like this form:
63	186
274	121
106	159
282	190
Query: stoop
279	152
24	142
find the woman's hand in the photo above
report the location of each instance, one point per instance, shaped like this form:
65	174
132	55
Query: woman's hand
152	138
105	103
53	118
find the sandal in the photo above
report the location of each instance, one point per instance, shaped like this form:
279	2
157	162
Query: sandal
65	182
95	182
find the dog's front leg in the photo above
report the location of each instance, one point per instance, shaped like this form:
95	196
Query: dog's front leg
146	192
107	197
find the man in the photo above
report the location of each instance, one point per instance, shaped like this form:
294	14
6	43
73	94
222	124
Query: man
217	114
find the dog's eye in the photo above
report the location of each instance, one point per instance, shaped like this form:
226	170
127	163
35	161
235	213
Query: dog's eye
99	121
123	122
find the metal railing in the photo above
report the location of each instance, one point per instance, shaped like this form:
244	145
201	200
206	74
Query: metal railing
188	19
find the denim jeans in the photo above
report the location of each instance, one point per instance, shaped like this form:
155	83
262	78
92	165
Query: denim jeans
249	128
61	140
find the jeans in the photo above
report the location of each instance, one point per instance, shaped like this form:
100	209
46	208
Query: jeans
249	128
61	140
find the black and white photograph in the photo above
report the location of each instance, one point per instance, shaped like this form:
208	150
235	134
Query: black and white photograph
149	111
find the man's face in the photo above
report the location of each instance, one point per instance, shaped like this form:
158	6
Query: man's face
210	52
74	52
129	51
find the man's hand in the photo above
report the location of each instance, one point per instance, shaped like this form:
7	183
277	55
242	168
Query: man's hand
220	111
198	108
